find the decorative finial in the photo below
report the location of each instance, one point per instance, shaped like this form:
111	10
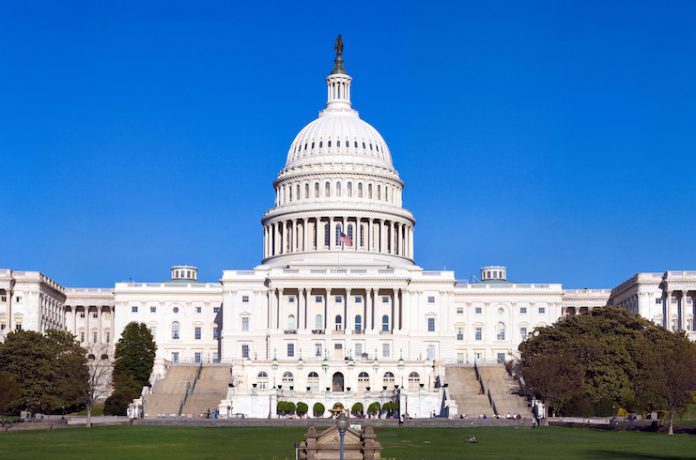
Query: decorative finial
338	61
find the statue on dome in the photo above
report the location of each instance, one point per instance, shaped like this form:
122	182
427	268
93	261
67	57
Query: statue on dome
339	45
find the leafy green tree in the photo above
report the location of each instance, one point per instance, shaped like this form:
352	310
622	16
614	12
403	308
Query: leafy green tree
10	390
357	408
50	370
373	409
290	408
318	409
301	409
135	357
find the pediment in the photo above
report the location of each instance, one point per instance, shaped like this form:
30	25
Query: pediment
331	436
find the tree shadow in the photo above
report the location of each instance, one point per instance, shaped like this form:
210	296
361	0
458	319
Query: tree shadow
636	456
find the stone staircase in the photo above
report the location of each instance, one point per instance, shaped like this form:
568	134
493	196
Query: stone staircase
169	391
501	387
209	390
466	392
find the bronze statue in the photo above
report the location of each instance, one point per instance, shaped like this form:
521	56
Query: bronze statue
339	45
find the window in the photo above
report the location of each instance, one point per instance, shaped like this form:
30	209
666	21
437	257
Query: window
197	357
430	352
319	322
542	310
197	333
291	299
153	309
477	310
176	309
385	323
318	299
460	333
388	379
216	310
288	378
245	351
82	337
262	380
134	309
478	333
199	309
19	299
500	358
108	337
339	323
317	350
358	324
313	381
175	356
385	350
523	310
94	337
291	323
82	315
413	381
339	299
658	301
291	350
175	330
153	331
3	326
216	333
385	299
363	381
245	299
245	323
431	299
18	327
358	349
95	315
358	299
523	332
460	310
431	324
500	331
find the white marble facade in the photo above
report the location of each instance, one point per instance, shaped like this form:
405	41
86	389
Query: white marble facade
337	301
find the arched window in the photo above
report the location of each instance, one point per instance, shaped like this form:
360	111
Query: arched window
290	193
297	192
313	381
413	381
379	192
350	190
327	234
316	190
291	323
327	189
338	189
262	380
363	381
358	324
306	190
362	235
388	379
350	232
385	323
319	322
339	323
360	190
288	378
369	191
175	330
500	331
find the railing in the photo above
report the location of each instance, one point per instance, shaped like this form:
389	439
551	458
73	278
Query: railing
190	388
318	331
290	331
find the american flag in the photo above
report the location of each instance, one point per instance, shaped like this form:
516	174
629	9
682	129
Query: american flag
345	239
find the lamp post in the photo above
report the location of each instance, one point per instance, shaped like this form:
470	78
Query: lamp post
342	425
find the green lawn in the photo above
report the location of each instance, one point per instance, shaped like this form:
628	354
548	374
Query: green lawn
171	443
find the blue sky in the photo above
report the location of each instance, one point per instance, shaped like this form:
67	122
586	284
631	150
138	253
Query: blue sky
556	138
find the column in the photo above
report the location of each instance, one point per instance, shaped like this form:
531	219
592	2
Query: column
332	236
346	323
113	324
400	296
269	309
326	309
305	232
393	310
305	294
667	320
87	323
364	313
280	304
410	239
298	324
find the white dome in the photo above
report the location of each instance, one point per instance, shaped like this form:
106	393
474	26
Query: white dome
339	137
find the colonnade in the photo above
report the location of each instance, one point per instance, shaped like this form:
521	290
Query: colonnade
680	309
371	320
86	328
323	233
50	313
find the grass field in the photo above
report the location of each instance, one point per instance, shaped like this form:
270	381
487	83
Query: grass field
173	443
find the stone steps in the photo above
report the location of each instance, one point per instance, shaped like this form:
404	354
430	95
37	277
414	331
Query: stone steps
502	387
168	392
465	390
210	389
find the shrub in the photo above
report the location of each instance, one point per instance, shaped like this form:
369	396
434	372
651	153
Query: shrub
318	409
357	409
301	409
373	409
290	408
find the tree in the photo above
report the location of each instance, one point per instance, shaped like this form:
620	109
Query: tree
301	409
135	357
9	391
318	409
671	366
99	380
373	409
50	370
357	408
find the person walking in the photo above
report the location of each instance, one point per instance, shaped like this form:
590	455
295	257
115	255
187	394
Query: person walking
401	419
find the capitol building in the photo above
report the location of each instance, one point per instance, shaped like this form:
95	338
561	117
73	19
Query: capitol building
338	309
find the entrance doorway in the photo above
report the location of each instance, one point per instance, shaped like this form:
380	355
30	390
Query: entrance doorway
337	382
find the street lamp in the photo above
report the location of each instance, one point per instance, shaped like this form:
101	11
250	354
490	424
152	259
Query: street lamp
342	425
